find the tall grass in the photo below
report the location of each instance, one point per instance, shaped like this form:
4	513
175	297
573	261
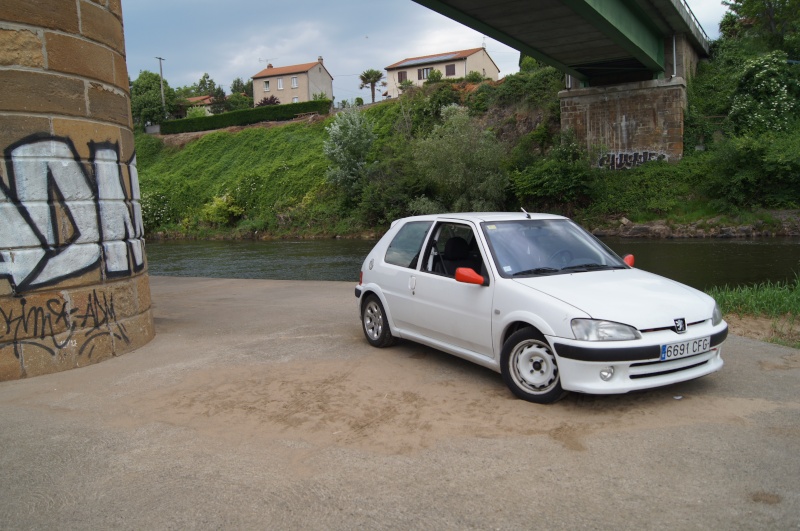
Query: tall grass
767	299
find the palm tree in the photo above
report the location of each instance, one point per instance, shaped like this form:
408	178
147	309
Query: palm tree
370	78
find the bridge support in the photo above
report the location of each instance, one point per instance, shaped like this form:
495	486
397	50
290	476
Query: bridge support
629	123
74	288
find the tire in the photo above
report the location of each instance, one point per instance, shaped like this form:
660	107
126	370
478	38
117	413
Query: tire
374	323
529	367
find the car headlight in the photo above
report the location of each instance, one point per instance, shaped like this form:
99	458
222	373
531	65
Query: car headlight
594	330
716	317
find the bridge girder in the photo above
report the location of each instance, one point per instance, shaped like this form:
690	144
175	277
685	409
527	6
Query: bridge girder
588	39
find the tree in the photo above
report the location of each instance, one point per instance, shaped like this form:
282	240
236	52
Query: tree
238	101
434	77
240	87
206	86
772	20
217	100
350	139
146	106
464	164
370	78
272	100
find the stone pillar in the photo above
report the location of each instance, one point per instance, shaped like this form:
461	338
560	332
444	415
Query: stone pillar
629	123
73	276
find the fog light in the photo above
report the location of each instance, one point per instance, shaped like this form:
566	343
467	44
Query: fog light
607	373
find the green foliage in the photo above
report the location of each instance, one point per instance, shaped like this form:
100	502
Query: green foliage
244	117
772	21
434	77
196	112
221	211
319	96
558	181
218	101
240	87
766	97
237	102
755	171
146	105
359	102
768	299
533	89
350	138
473	77
463	163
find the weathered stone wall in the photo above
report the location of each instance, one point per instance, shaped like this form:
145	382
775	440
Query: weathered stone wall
631	123
73	277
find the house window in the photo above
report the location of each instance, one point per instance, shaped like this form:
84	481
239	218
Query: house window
402	76
295	100
423	73
280	83
450	70
294	81
266	86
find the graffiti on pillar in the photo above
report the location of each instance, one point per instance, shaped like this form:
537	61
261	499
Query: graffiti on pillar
626	161
61	218
57	325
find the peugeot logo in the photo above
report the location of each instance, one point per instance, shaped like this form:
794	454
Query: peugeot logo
680	325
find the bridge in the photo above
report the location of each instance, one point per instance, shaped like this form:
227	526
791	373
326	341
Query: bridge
626	64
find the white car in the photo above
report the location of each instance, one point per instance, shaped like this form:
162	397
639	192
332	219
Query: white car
539	300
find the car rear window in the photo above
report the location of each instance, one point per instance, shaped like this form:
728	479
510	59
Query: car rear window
405	247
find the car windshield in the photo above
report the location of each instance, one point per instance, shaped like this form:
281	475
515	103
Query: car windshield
524	248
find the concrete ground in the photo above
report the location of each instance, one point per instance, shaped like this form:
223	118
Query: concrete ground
260	405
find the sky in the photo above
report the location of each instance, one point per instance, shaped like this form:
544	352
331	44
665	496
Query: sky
238	38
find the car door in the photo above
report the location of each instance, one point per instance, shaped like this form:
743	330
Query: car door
446	310
398	272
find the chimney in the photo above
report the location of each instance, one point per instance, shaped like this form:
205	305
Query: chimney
269	65
320	59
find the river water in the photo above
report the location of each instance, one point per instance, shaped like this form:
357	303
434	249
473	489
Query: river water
702	263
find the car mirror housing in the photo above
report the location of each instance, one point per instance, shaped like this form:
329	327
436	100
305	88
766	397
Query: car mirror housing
628	259
469	276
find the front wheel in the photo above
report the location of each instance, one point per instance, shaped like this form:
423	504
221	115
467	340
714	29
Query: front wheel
374	324
529	368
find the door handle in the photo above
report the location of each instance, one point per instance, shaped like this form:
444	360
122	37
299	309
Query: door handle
412	283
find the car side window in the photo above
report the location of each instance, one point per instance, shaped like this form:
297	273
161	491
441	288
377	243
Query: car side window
454	245
407	243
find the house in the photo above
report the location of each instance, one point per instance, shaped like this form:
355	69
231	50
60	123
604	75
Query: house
450	64
203	102
293	84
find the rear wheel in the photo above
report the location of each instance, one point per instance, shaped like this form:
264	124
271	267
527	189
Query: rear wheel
529	367
374	323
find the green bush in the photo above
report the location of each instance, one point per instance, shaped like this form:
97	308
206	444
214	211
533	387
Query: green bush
245	117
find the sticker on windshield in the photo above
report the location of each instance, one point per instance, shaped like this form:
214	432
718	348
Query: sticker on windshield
491	227
507	269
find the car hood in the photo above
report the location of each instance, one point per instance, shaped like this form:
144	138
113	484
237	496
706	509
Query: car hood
630	296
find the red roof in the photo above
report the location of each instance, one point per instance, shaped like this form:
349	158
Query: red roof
435	58
271	71
200	100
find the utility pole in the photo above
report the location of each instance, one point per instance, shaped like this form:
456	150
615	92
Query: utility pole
161	75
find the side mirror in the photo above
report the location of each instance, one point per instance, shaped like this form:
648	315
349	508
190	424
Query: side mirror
469	276
628	259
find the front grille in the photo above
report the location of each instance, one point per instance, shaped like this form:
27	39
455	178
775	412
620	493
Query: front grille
688	326
650	369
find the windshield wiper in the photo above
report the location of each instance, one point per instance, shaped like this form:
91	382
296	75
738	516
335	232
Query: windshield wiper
537	271
589	267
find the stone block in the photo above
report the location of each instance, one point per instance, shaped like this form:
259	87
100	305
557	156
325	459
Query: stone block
14	128
115	6
75	56
81	132
20	48
10	365
35	316
53	14
99	24
108	105
140	331
35	92
121	73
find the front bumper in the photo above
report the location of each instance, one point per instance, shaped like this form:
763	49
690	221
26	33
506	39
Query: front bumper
636	364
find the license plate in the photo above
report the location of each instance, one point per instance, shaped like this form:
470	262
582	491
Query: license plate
685	348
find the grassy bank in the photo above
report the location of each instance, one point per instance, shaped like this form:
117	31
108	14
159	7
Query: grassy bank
778	303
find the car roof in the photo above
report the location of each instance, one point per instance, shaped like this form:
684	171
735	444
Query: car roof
481	216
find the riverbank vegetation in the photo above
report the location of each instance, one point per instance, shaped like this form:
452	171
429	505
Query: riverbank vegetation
769	311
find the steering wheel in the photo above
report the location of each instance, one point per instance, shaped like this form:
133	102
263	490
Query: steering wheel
560	258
